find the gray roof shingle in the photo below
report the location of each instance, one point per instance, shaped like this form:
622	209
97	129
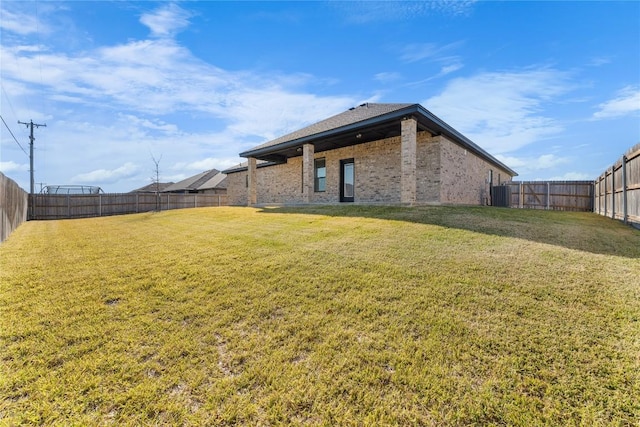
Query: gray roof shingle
366	117
202	181
351	116
151	188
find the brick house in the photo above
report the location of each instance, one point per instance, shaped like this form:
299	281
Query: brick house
373	153
208	182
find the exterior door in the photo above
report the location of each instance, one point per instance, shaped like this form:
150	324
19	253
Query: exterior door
347	180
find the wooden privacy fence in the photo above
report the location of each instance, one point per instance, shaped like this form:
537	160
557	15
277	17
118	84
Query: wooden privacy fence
56	206
552	195
13	206
617	190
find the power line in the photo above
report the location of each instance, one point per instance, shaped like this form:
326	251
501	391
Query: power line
8	100
14	137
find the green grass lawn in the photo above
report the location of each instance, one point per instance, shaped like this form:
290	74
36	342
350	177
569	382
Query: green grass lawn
342	315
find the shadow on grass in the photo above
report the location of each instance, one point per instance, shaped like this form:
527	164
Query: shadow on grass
581	231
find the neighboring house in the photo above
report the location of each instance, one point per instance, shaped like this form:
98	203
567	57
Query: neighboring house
208	182
373	153
153	187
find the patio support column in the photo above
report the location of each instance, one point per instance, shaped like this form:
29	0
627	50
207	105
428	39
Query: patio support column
408	151
307	173
252	187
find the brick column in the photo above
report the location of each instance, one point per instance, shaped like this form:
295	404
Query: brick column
307	173
252	187
408	151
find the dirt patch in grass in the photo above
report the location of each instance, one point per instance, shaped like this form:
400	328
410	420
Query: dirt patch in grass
321	316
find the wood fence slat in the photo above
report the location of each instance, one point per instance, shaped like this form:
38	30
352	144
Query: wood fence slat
552	195
54	206
618	189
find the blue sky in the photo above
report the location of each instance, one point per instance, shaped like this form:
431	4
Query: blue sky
550	88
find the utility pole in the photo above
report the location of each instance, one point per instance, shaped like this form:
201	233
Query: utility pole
31	203
31	139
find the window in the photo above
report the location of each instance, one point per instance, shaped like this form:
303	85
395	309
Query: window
319	174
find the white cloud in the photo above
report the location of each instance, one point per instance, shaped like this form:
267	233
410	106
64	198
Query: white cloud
167	20
153	124
11	166
453	7
626	102
432	53
419	51
524	165
387	77
448	69
21	22
207	164
271	112
572	176
151	75
106	176
599	61
160	77
501	111
363	12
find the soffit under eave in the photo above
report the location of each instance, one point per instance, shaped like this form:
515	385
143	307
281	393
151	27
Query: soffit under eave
337	139
372	129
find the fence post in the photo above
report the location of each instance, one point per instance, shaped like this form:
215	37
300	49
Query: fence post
548	195
624	188
594	201
613	191
195	200
605	194
520	196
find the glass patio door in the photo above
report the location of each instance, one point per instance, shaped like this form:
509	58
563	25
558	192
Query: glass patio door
347	180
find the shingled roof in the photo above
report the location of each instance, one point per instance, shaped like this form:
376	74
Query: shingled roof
153	187
364	123
349	117
203	181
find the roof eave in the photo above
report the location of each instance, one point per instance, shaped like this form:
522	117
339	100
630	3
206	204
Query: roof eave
406	111
463	140
242	168
320	135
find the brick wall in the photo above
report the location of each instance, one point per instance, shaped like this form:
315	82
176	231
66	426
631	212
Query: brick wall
279	184
377	176
428	168
377	172
445	173
237	188
465	176
408	153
